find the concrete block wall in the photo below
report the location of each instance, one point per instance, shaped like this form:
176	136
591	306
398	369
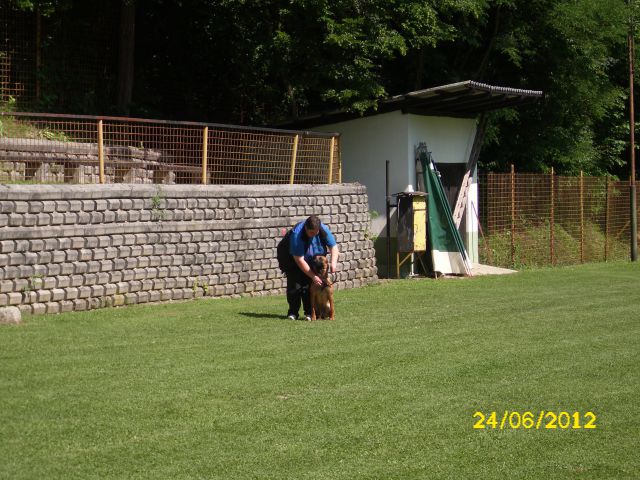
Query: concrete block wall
80	247
46	161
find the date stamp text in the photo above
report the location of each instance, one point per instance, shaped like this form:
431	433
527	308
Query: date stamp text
548	420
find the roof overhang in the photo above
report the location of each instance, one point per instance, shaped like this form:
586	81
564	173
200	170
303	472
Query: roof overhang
465	99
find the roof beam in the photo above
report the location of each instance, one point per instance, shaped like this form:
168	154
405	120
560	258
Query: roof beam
469	101
469	106
446	98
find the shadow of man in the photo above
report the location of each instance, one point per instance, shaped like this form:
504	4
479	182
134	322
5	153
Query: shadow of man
262	315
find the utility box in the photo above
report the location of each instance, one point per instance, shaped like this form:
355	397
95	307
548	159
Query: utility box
412	226
412	222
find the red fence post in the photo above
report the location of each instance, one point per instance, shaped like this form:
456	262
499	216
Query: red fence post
513	215
581	217
552	221
606	221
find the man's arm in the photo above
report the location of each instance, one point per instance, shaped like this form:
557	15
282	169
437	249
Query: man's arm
335	253
306	269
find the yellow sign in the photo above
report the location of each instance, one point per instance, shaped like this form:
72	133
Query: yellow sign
419	224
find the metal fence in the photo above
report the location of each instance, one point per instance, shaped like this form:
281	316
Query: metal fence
544	219
18	54
49	148
63	60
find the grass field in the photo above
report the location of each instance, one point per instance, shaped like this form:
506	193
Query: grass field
228	389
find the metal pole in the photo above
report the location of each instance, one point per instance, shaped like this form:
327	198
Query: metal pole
388	219
632	179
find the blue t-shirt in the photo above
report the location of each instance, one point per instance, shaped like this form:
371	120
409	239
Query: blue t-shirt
299	245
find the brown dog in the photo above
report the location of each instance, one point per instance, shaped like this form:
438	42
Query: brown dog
321	297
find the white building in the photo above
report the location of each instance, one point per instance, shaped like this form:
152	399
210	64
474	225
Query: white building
446	118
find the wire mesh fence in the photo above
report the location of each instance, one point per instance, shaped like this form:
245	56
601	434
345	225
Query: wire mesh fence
48	148
18	55
61	59
544	219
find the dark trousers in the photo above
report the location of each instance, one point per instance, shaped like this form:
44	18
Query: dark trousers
298	291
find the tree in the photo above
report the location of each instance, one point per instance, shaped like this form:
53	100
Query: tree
575	52
260	61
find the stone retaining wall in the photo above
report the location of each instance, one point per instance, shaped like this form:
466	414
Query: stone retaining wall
46	161
79	247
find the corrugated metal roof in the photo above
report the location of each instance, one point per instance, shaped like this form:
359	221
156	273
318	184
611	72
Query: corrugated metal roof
462	99
471	86
467	98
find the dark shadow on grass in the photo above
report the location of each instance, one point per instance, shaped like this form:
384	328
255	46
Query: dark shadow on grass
263	315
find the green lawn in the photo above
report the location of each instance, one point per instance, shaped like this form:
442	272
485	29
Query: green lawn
228	389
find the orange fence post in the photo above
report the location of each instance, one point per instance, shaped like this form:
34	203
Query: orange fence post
205	142
490	201
100	151
294	155
330	180
339	163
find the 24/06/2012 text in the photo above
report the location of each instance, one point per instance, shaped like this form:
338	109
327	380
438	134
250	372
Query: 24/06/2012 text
528	420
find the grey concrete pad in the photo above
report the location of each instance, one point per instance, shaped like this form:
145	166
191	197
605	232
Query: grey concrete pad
479	269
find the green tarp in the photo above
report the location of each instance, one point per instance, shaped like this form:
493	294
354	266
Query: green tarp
447	249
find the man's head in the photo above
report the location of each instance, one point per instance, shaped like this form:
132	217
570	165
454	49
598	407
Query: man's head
312	226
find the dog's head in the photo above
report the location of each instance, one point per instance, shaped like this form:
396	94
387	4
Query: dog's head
320	265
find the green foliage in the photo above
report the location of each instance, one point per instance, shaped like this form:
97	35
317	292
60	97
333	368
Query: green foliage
285	59
532	246
259	62
44	7
12	127
158	211
34	282
9	105
575	51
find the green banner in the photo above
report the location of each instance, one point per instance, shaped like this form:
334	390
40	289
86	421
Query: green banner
447	249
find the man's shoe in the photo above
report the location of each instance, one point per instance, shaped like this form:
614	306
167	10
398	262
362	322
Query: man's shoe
292	317
307	318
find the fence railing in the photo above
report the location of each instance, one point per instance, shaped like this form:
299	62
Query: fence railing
544	219
50	148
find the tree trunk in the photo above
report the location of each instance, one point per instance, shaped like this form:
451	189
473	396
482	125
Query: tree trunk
484	63
126	56
293	101
420	67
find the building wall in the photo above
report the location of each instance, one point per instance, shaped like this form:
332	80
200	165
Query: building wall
366	144
79	247
450	140
368	141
